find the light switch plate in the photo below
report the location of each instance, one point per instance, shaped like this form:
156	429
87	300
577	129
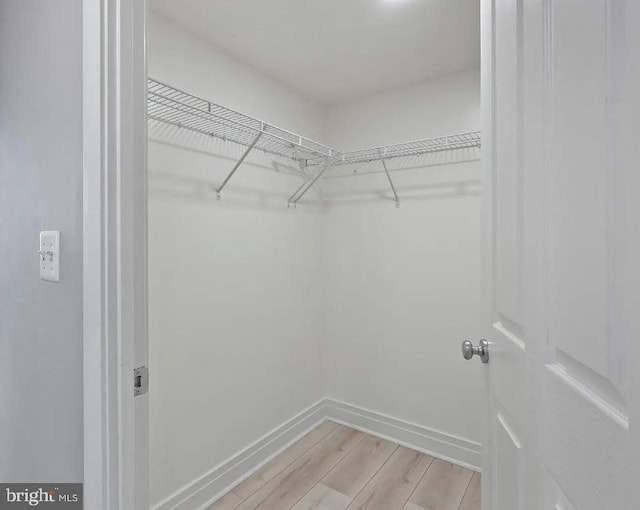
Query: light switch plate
50	256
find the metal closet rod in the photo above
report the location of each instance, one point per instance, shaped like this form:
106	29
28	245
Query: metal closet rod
173	106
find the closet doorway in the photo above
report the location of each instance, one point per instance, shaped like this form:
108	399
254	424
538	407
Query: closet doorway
317	254
314	253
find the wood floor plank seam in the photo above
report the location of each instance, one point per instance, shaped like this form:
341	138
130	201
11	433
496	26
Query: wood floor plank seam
374	474
244	499
419	481
350	450
266	481
371	453
321	497
465	492
224	503
443	486
472	498
265	500
302	497
363	500
353	475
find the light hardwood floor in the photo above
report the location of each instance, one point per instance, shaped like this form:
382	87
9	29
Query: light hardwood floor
338	468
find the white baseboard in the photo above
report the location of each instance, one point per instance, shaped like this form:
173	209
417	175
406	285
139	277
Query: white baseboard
432	442
221	479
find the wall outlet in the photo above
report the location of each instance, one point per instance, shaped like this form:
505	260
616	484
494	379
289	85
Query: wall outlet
50	256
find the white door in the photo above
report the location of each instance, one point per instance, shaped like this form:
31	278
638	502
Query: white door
561	137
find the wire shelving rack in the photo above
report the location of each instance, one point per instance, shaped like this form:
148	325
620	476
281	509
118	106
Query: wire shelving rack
173	106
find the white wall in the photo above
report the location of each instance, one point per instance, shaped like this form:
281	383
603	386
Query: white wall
188	63
234	297
445	106
403	285
257	311
40	189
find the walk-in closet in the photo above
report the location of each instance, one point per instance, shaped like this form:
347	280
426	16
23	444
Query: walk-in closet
314	252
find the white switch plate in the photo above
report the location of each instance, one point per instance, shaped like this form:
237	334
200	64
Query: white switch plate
50	256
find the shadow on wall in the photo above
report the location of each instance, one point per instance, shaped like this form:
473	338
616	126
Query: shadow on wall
444	190
189	166
438	175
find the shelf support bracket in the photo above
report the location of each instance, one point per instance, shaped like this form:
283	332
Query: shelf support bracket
393	188
237	165
306	185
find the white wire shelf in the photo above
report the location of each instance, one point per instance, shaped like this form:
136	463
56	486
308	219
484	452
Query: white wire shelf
178	108
417	148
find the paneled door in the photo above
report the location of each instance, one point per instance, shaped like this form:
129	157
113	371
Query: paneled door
562	255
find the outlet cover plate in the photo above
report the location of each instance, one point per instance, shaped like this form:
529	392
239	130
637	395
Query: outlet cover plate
50	256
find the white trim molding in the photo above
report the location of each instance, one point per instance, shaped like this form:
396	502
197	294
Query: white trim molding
114	253
94	359
221	479
432	442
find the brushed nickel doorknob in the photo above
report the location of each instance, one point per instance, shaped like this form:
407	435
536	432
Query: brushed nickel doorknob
482	350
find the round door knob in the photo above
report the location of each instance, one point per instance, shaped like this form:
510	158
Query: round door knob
467	349
482	350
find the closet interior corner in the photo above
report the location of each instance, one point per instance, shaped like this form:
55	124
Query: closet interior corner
315	180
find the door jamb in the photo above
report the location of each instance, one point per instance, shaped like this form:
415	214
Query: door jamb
488	242
114	252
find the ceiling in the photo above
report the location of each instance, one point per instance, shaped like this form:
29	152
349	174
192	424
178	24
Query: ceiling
334	51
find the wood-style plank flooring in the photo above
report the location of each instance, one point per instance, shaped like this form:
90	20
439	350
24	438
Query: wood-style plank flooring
338	468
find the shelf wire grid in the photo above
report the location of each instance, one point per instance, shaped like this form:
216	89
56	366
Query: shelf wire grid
178	108
417	148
